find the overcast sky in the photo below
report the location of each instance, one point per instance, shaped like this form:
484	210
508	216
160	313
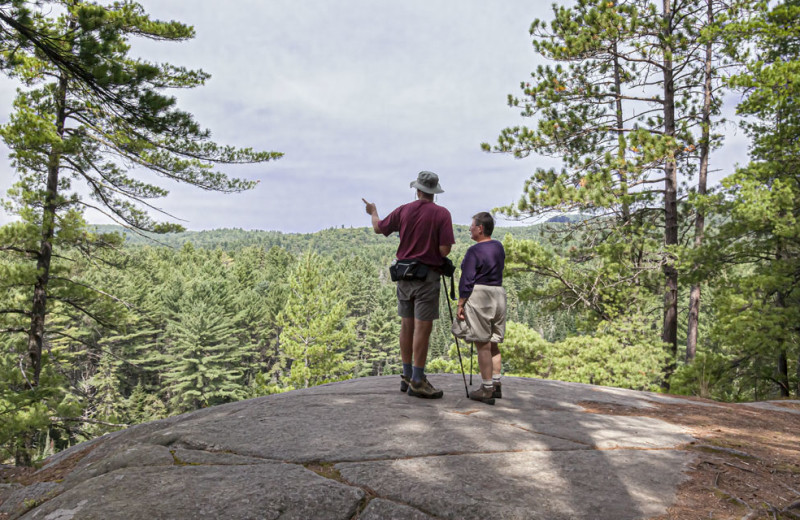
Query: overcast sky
359	96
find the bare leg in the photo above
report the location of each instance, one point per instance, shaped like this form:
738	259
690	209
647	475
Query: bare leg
406	339
485	360
422	334
497	364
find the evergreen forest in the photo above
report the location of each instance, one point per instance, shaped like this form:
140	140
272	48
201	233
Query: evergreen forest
639	273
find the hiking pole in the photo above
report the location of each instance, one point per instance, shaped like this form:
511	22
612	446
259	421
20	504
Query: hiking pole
471	347
450	310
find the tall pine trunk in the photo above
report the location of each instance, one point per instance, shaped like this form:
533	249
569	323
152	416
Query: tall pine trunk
797	390
45	255
700	219
783	373
623	175
783	362
670	330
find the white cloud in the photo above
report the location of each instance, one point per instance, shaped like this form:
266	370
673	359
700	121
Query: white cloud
359	95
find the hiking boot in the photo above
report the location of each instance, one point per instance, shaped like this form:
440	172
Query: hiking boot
423	389
497	386
483	394
404	383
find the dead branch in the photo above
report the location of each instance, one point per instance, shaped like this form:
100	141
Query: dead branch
87	420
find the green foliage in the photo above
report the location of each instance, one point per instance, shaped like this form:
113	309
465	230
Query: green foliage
87	118
26	412
380	353
618	357
142	406
204	368
622	103
94	136
109	403
758	243
253	315
262	384
315	329
708	376
525	352
451	364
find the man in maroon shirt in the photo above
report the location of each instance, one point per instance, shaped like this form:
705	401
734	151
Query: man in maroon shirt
426	235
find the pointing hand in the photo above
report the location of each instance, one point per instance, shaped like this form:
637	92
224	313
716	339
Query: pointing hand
370	207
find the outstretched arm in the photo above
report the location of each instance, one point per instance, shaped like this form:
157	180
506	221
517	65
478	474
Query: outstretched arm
373	212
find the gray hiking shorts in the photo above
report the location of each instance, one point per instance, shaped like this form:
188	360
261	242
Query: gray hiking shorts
419	299
486	314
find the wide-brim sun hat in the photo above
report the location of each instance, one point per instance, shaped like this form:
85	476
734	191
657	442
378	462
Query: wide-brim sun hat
427	182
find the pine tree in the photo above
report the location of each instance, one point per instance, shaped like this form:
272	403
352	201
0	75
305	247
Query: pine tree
620	108
759	304
26	411
142	406
361	292
315	329
381	351
85	118
108	405
205	367
63	133
261	284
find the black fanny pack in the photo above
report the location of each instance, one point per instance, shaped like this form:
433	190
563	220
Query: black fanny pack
408	270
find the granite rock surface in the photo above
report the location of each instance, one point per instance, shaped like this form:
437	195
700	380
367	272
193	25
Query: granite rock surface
362	450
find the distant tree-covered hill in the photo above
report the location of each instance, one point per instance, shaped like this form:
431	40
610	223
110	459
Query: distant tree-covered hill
328	241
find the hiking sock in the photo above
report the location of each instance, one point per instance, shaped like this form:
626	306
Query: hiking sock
487	383
407	370
417	374
497	389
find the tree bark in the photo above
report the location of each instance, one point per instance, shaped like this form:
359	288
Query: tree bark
797	390
783	373
623	175
700	219
44	257
22	453
783	362
670	329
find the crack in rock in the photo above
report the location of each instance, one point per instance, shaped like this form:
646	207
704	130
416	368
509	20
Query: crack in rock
328	470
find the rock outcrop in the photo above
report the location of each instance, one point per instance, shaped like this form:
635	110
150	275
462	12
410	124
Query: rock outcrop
362	450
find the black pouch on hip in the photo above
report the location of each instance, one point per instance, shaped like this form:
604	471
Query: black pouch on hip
408	270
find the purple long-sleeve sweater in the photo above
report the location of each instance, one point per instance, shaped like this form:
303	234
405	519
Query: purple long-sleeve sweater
482	265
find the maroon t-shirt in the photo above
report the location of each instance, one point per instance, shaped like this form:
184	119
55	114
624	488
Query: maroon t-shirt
423	227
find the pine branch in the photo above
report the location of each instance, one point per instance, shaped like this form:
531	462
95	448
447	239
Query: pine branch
80	308
15	311
125	224
52	49
32	252
24	374
98	291
88	421
9	331
98	188
93	346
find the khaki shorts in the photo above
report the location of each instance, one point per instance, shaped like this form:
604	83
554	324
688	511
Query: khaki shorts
485	311
419	299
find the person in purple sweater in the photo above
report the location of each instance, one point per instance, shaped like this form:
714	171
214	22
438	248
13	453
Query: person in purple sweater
482	304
